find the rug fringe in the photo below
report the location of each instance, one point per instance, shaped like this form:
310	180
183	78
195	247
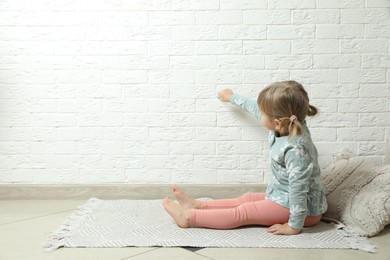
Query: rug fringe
59	237
357	242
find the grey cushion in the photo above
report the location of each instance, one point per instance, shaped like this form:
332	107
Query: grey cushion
358	194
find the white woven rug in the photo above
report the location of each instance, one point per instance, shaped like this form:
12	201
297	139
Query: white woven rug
144	223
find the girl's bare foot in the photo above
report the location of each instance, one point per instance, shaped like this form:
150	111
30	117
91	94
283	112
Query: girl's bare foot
184	199
177	212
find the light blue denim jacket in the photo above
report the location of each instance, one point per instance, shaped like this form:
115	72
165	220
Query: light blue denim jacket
295	174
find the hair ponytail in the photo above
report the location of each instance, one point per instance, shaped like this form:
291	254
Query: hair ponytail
312	111
289	126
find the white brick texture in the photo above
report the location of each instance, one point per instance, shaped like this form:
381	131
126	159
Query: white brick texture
125	91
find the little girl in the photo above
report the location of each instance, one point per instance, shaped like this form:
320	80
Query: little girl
294	197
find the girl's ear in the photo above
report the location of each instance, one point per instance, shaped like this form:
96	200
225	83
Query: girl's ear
277	124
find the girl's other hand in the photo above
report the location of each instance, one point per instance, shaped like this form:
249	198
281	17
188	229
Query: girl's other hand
225	95
283	229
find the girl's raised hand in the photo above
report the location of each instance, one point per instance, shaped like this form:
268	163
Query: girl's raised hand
225	95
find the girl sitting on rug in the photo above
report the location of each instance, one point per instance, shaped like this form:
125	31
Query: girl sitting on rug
294	197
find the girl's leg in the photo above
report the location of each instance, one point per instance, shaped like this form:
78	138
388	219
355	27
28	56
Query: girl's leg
190	203
263	212
232	203
249	213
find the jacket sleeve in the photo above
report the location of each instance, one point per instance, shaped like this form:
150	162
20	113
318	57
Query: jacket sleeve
299	168
246	104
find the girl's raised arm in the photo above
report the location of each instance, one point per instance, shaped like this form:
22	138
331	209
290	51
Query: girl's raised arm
245	103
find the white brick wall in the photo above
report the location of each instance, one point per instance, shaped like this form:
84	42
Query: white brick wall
95	91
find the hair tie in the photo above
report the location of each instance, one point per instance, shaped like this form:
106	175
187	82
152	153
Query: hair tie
292	119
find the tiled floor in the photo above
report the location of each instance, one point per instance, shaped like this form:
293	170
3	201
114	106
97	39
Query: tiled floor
26	224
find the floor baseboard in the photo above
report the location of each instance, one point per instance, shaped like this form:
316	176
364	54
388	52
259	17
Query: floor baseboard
121	191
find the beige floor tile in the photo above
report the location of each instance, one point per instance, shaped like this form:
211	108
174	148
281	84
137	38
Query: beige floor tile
23	240
260	253
382	240
171	254
287	254
16	210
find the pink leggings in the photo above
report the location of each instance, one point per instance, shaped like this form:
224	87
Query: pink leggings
249	209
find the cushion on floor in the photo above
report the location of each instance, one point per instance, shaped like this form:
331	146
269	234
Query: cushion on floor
358	193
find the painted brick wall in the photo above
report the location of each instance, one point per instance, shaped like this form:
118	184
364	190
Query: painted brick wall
124	91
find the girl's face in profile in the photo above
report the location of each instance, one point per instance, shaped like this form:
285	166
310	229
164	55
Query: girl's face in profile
270	124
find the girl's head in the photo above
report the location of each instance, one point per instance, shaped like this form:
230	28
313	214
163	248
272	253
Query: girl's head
286	105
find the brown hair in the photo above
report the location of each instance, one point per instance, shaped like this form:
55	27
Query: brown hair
281	101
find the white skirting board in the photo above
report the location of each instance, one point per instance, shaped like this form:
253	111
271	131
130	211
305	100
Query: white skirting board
121	191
